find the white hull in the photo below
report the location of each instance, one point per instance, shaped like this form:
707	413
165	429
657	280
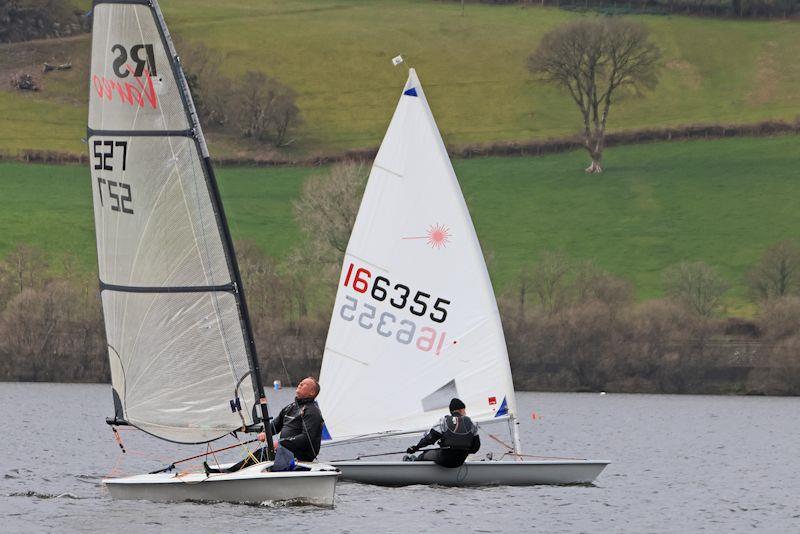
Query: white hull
480	473
250	485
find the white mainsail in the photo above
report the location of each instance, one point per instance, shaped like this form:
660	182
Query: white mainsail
415	321
176	330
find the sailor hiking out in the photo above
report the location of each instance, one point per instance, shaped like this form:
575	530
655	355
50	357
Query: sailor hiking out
457	436
299	426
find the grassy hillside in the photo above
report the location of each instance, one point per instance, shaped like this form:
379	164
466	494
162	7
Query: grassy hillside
336	53
722	202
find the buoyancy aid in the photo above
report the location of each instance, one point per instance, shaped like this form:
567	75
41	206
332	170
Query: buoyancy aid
457	432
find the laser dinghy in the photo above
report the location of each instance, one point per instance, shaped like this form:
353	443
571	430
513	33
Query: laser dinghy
416	323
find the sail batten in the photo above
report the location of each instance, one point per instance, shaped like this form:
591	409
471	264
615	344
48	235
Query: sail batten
167	289
178	334
423	327
141	133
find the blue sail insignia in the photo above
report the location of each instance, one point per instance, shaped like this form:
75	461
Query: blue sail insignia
503	410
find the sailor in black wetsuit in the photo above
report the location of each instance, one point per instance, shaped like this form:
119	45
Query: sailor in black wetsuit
299	425
457	436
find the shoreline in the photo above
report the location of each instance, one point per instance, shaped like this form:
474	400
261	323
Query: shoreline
611	391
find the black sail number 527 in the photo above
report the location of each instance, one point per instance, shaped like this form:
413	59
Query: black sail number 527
118	192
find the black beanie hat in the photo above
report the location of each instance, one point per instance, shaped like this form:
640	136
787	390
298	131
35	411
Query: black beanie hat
456	404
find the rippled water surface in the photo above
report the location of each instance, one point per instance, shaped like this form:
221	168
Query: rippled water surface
679	464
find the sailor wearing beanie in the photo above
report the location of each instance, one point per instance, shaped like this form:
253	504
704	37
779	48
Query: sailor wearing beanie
457	436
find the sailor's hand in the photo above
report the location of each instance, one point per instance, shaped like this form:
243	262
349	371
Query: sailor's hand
262	436
412	450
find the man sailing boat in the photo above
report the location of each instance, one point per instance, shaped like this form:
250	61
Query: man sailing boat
300	427
457	436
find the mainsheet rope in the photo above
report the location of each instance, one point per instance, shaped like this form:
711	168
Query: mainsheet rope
115	471
512	453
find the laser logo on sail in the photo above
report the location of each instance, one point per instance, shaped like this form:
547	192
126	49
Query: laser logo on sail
437	236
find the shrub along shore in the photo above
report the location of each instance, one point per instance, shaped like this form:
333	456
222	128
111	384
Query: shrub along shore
588	336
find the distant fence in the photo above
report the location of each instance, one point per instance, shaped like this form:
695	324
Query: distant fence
697	131
714	8
511	148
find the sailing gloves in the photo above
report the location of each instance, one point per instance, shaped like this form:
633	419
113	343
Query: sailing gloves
412	449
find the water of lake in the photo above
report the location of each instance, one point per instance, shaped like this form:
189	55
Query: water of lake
679	464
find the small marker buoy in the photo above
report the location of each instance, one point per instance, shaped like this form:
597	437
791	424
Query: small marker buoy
602	393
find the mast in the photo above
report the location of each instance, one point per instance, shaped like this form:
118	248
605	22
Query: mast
244	315
514	429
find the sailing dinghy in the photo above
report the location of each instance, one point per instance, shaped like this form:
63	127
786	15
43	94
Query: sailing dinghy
415	321
183	362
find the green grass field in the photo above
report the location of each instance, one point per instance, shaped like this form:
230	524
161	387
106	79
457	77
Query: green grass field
722	202
336	53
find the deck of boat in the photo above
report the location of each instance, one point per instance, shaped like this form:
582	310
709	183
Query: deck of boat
478	473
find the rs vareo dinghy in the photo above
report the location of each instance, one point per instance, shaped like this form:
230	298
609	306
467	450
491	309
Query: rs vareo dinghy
255	484
415	321
183	363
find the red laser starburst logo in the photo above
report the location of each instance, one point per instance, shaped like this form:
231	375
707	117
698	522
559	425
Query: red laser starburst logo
437	236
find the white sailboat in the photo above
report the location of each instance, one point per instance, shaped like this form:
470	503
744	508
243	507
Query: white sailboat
415	321
183	363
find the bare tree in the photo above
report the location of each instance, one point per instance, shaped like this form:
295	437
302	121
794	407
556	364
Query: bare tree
696	285
285	116
265	108
23	267
593	283
597	61
548	280
514	301
211	91
252	105
327	209
289	338
53	333
779	318
266	289
777	273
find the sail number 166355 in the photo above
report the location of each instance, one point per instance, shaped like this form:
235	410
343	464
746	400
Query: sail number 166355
399	295
386	324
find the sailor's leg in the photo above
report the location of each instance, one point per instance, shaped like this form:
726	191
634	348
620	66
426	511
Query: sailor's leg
429	456
247	462
231	469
